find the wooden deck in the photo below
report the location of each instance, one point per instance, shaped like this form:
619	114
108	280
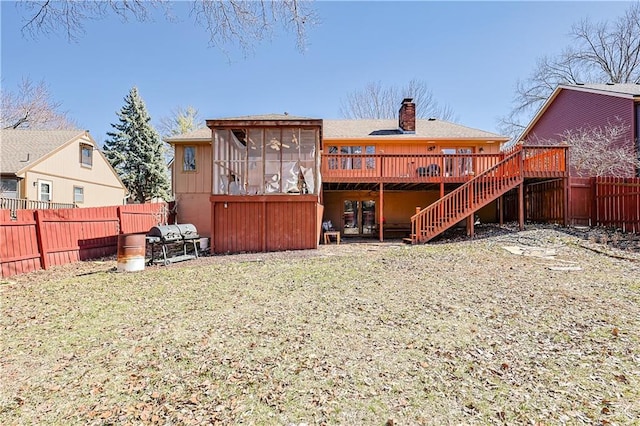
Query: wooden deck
518	164
538	162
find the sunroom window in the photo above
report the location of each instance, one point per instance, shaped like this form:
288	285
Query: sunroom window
265	161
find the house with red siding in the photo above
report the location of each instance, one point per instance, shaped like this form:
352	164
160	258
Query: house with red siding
580	106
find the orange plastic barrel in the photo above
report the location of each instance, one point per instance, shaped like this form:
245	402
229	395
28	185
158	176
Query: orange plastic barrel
131	252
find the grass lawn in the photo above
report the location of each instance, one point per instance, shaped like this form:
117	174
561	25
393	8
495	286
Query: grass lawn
454	333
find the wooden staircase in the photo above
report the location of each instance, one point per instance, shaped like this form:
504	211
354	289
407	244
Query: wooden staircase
468	198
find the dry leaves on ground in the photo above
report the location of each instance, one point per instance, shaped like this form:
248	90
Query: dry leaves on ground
361	333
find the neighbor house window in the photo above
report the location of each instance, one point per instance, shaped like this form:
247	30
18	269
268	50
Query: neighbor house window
9	188
44	190
78	194
189	159
86	155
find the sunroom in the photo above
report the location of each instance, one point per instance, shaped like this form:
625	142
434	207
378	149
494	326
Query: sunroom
265	183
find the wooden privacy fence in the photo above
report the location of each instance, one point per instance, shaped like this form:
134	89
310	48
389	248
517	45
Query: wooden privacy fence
39	239
597	201
617	203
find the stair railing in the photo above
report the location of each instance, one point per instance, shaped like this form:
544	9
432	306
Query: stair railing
468	198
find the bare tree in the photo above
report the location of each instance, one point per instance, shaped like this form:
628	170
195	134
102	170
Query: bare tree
231	21
31	107
600	151
180	121
601	52
378	101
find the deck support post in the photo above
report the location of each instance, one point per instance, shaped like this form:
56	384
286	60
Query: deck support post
501	210
470	226
381	220
521	205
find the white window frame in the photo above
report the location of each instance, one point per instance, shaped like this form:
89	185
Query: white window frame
81	188
40	185
89	148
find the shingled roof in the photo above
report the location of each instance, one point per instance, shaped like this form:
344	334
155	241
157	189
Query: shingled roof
202	134
264	117
432	129
425	129
619	88
21	148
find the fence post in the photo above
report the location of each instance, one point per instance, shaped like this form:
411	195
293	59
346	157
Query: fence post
44	260
593	217
120	226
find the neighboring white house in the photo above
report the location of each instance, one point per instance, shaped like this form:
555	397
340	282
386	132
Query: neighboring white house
59	166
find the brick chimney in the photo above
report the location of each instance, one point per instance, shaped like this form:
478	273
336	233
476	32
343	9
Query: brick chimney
407	116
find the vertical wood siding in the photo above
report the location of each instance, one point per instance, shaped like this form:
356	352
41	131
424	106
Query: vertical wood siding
264	223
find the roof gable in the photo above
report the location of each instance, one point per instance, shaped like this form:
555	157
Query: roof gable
626	90
23	148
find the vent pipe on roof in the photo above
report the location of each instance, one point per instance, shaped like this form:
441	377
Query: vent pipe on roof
407	116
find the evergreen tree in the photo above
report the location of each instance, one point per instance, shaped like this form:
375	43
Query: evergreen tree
136	151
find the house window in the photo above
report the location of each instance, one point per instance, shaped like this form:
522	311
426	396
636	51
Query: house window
44	190
86	155
189	159
78	194
371	161
458	162
8	188
333	162
350	161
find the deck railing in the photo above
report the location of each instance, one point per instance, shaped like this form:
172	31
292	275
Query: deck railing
24	204
545	161
539	161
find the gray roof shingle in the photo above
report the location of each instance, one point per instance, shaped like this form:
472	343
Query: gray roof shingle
20	148
425	129
623	88
203	133
265	117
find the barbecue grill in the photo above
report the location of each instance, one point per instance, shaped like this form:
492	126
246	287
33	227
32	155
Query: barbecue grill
184	234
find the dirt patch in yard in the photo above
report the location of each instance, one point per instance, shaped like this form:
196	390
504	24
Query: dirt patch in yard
455	332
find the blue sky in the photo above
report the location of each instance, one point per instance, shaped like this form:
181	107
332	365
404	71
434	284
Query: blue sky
470	54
